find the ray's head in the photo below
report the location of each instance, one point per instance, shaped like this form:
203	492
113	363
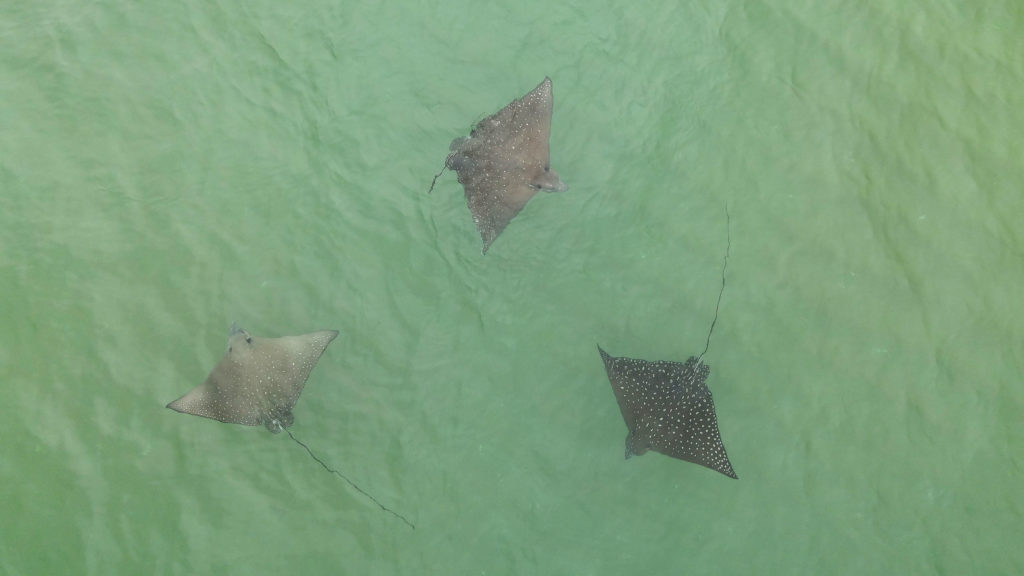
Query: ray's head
237	337
635	446
548	181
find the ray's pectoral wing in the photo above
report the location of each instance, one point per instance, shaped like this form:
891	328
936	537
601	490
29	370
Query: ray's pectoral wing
621	383
696	440
530	136
536	132
520	129
217	397
495	193
295	357
531	125
690	425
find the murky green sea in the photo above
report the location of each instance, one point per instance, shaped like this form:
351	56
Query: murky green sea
168	168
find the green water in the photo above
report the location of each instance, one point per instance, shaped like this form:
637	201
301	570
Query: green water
169	168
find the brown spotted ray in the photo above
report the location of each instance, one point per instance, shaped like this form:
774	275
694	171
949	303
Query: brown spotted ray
504	161
258	381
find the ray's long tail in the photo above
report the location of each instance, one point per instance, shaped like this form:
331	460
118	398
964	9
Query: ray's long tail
351	483
725	264
438	175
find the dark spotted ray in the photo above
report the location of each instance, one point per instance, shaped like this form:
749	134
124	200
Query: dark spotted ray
667	406
258	381
504	161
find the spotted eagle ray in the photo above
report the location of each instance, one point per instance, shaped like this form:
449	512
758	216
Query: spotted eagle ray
504	161
258	381
667	406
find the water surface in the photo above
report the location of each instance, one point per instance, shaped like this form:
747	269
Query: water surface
168	169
